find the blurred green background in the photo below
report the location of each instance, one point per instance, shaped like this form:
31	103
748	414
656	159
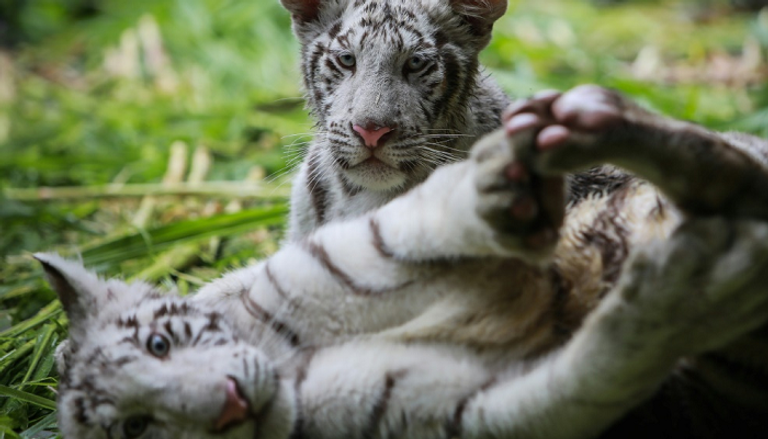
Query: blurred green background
154	138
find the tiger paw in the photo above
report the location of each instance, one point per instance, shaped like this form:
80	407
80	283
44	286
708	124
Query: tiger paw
698	291
573	130
524	209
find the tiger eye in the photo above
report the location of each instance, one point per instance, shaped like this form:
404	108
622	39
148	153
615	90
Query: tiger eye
135	426
416	63
158	345
347	60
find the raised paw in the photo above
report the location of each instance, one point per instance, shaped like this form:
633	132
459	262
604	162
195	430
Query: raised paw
572	130
525	209
698	291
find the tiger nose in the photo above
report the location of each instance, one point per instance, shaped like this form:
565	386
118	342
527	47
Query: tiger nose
371	133
236	408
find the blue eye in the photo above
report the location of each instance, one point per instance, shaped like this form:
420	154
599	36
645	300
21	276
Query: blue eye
416	63
347	60
135	426
158	345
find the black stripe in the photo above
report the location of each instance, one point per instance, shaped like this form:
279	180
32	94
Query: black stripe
349	189
81	415
174	309
378	241
197	338
600	180
343	39
382	404
565	322
298	426
310	70
259	313
272	280
318	193
331	65
169	329
454	428
213	322
609	236
364	37
452	85
335	29
321	255
428	71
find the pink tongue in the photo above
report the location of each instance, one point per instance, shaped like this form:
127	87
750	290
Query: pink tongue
235	408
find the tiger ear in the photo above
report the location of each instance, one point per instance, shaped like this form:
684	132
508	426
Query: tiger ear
76	287
302	11
480	14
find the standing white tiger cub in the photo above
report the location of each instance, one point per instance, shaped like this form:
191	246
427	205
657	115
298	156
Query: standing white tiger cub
396	89
422	319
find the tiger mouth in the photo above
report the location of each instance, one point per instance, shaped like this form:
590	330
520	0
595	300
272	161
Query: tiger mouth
375	167
374	161
237	408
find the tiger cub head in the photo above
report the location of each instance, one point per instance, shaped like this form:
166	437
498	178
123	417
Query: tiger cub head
390	84
141	364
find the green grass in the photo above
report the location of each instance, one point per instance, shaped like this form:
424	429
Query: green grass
108	102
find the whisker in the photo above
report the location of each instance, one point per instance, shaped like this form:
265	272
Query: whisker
306	134
272	178
443	147
451	130
452	136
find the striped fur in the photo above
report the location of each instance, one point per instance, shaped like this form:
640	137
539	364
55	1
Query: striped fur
432	325
415	70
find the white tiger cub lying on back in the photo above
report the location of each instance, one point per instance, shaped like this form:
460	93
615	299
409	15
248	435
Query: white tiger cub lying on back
422	319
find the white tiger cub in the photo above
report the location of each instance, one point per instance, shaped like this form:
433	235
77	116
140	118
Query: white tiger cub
421	319
396	89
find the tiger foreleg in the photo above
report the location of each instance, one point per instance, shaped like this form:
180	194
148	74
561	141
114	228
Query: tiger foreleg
701	171
488	205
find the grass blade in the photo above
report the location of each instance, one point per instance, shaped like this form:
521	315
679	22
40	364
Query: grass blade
48	421
50	311
28	397
162	238
42	347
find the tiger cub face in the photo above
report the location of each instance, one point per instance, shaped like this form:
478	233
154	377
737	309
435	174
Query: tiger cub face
389	83
138	364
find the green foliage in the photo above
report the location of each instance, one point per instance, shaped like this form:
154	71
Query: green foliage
94	93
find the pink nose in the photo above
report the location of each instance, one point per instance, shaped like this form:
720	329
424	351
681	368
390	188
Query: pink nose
236	408
371	134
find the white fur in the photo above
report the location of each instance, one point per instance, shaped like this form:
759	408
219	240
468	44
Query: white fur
411	333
